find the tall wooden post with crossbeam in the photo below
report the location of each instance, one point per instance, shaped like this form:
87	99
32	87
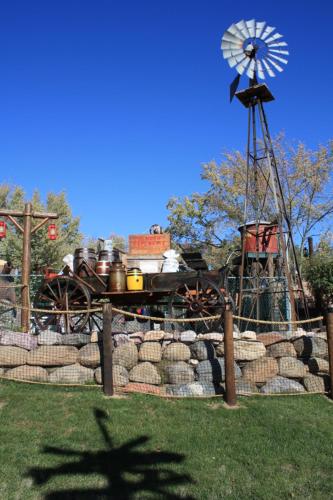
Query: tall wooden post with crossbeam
28	214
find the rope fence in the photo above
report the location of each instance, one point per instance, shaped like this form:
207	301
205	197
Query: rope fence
127	352
169	319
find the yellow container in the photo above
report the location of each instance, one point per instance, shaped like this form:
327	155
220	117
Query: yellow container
134	279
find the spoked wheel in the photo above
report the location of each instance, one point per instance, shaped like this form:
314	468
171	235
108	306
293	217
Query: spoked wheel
62	294
198	298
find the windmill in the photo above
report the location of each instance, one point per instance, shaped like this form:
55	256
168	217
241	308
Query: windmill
269	274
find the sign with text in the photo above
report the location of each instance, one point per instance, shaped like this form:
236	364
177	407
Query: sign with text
148	244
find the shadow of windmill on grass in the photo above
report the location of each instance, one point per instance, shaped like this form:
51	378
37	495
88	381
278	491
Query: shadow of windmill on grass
149	471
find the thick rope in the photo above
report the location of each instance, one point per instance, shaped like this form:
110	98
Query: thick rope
264	322
170	320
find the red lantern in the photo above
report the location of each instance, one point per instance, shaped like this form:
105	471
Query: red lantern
52	232
3	229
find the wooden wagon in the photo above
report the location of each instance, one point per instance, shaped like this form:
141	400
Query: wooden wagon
181	295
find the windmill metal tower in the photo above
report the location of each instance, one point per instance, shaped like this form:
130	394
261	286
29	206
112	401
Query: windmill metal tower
270	285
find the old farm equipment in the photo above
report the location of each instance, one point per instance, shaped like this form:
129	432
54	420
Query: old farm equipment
71	302
270	285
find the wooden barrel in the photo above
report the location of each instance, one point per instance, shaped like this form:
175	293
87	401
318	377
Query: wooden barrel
117	278
87	255
103	267
105	255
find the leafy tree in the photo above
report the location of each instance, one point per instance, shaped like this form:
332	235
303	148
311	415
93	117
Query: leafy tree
44	252
210	219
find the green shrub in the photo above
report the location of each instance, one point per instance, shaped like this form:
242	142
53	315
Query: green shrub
319	274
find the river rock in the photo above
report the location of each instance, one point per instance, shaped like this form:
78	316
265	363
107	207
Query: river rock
49	338
126	355
154	336
150	351
119	375
188	336
24	340
137	337
212	370
318	365
77	339
270	338
90	355
53	355
25	372
145	373
281	385
249	335
281	349
179	373
248	350
192	390
291	367
176	352
120	339
311	347
12	356
244	387
72	374
260	370
313	383
202	349
214	337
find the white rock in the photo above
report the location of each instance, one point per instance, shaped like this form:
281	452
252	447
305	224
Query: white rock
249	335
49	338
188	336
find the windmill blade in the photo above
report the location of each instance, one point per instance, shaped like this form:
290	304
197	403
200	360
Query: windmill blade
241	67
260	28
273	38
251	68
277	44
230	46
278	58
278	51
228	37
267	32
231	53
276	66
235	31
243	28
260	70
232	61
269	70
251	27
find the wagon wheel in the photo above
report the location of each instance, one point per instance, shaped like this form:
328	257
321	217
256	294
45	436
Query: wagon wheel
61	294
198	298
96	318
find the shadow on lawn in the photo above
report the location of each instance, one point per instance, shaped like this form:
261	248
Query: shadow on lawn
145	471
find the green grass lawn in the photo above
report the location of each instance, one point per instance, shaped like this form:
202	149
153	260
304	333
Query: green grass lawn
75	443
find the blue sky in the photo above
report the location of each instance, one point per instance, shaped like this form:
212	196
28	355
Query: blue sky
119	103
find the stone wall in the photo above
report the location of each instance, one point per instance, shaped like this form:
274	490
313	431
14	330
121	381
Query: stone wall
176	364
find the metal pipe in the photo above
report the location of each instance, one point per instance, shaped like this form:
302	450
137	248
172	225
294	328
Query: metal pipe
26	265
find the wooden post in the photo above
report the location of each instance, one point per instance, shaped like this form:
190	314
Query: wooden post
230	385
107	350
27	230
329	328
26	266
